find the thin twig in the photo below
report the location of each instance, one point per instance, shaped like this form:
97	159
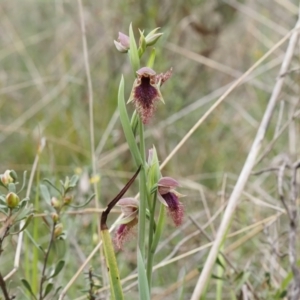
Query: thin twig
203	231
43	276
280	189
267	170
22	223
91	289
4	288
294	288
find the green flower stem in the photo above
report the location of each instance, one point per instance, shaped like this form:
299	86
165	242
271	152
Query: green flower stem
114	277
157	235
159	228
36	230
143	193
150	238
220	274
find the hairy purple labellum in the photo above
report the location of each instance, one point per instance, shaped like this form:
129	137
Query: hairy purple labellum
145	92
170	198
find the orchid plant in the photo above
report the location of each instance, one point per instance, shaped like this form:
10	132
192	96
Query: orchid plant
145	96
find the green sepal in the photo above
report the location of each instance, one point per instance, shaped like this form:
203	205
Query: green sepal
151	59
133	52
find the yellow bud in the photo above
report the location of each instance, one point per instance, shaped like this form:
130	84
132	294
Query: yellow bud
95	238
55	203
68	199
6	178
12	200
54	217
58	230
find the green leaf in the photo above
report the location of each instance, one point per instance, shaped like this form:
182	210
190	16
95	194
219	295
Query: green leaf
24	182
14	175
142	278
126	125
151	59
134	122
28	287
24	212
45	194
283	294
34	242
58	268
29	218
3	200
218	277
11	187
111	262
48	288
52	185
241	279
74	181
57	290
84	204
219	262
133	51
286	281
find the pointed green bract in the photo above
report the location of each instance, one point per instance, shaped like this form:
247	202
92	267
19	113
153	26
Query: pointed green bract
126	125
151	59
133	52
142	278
142	46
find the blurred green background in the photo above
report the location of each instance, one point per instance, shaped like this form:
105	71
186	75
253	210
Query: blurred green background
43	93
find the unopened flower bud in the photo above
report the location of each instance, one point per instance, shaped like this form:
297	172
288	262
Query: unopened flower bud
122	44
54	217
95	239
55	203
6	178
12	200
68	199
58	230
152	37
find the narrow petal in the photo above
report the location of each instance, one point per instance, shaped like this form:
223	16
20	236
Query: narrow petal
132	202
175	208
166	184
128	218
123	233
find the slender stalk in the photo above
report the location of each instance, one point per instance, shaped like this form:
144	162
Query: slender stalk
4	288
143	193
36	223
43	277
220	273
150	239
